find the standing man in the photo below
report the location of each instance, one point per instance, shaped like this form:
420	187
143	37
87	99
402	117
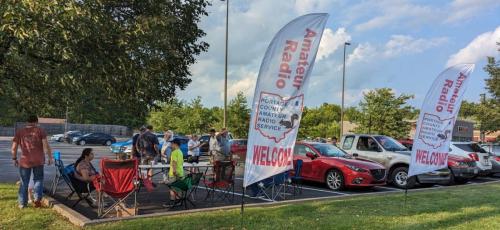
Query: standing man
214	147
135	153
166	148
147	144
334	141
224	144
33	142
194	149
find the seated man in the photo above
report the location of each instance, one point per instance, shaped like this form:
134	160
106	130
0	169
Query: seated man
176	171
85	171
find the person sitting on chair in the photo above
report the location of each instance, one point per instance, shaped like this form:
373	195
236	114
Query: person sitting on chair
176	171
84	170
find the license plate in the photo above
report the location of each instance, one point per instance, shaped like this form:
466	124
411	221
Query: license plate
486	161
476	171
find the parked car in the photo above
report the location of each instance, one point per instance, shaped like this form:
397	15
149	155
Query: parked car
184	144
57	137
94	138
331	165
120	147
393	156
494	150
68	137
475	152
463	169
239	148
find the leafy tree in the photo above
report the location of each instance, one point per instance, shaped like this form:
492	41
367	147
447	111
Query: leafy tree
238	116
382	112
468	110
320	122
493	82
97	56
489	109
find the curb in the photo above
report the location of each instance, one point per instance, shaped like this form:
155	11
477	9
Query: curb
73	216
82	221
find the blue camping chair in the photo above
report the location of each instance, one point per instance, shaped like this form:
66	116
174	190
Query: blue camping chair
272	188
296	179
65	174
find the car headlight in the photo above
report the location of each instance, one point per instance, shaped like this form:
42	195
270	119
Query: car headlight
357	169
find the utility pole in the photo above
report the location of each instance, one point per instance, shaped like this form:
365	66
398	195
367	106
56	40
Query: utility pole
225	65
343	89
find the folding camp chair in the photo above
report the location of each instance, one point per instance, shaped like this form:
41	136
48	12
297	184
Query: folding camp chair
222	181
182	188
119	180
296	179
82	189
59	173
273	187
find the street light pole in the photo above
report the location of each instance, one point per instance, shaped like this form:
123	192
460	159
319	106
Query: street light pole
343	88
225	65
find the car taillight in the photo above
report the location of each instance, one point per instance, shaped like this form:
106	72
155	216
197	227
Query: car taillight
497	159
474	156
452	163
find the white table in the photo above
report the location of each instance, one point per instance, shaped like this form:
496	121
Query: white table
185	165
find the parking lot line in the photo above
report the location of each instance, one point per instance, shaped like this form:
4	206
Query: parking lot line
312	189
390	188
487	178
321	190
239	194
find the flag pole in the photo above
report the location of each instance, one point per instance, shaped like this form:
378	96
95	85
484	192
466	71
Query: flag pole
242	207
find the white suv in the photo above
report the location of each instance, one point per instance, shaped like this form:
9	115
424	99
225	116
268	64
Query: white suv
474	151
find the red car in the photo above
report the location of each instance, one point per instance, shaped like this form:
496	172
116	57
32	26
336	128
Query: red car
239	147
463	169
329	164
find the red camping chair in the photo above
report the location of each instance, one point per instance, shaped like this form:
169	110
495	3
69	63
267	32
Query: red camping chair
222	181
119	180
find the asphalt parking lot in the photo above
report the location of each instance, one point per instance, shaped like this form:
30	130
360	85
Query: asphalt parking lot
151	202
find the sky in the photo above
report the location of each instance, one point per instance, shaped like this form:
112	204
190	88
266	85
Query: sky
398	44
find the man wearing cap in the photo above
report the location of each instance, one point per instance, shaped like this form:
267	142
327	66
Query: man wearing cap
176	171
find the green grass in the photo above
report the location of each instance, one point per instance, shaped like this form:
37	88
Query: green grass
470	207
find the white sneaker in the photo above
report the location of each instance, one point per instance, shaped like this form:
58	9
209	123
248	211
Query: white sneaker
22	206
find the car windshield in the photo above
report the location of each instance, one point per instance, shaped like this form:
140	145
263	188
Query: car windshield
329	150
472	148
390	144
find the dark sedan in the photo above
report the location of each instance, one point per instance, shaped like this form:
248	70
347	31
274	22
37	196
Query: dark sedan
94	138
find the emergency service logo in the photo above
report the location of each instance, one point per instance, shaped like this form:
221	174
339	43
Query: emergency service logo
277	116
435	131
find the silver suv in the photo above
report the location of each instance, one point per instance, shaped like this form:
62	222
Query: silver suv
393	155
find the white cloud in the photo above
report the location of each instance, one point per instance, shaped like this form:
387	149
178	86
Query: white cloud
391	12
331	41
307	6
245	85
465	9
362	52
404	44
478	49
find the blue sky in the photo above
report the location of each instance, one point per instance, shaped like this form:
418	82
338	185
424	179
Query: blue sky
399	44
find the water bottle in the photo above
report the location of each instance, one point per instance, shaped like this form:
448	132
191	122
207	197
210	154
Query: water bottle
57	155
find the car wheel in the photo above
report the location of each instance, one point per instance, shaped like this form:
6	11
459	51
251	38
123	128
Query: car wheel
334	180
82	142
399	178
60	139
108	143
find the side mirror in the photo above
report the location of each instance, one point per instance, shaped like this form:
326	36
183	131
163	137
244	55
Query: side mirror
310	155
